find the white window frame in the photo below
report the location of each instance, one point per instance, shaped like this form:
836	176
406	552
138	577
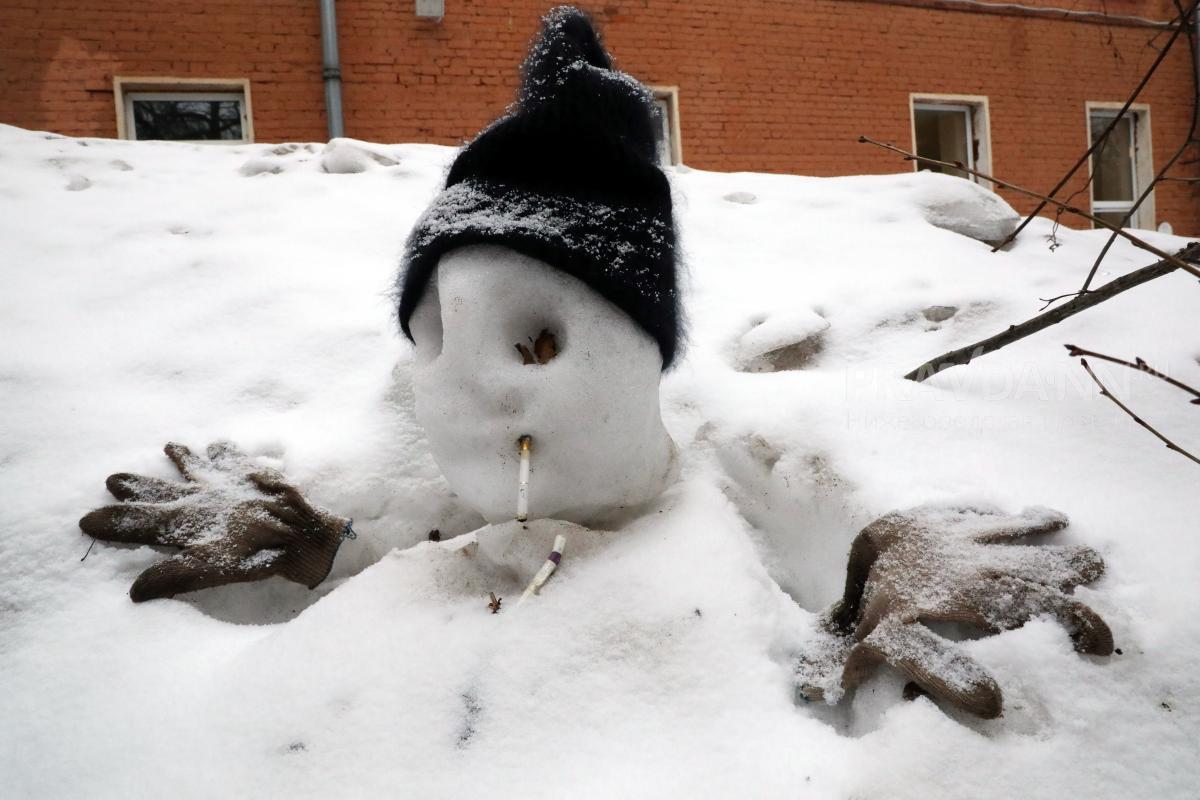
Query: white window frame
979	126
669	95
1142	162
127	89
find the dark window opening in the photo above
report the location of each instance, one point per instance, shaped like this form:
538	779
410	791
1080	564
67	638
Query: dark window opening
187	120
946	132
187	116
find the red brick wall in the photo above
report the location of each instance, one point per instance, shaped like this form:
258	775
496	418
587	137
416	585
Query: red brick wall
773	85
58	57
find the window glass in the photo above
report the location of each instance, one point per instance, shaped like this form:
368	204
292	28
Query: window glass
187	119
664	123
666	104
1112	218
945	134
1112	164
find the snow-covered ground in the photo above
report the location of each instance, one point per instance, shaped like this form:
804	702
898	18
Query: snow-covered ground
153	292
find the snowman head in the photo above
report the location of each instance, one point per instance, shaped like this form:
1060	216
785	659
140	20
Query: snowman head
555	219
591	409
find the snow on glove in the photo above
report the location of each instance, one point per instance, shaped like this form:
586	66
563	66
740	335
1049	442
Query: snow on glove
942	564
236	521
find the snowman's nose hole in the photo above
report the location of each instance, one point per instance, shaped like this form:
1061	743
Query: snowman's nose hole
538	350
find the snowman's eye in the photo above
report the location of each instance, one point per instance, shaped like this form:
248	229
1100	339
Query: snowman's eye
539	350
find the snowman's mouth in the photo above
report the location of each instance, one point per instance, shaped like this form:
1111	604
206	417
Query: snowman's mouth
525	446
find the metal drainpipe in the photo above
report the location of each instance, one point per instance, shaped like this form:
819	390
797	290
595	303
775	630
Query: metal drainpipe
331	69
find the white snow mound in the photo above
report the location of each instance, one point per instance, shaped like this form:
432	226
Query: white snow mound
794	335
347	156
152	292
964	207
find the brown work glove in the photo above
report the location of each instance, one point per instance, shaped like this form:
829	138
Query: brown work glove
941	564
236	521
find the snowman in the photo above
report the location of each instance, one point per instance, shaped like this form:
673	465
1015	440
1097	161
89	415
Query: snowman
541	294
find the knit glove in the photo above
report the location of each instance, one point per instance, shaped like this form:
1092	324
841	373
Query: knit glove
234	520
941	564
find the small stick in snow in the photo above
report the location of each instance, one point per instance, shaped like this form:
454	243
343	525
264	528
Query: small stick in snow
1106	393
543	574
525	443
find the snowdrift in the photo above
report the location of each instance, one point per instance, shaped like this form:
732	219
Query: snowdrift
153	292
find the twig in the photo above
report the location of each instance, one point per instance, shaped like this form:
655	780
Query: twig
1188	140
1103	137
1135	241
1146	193
89	550
1104	392
1049	301
1138	364
965	355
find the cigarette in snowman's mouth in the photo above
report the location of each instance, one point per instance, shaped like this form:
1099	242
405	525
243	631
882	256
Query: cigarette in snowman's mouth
525	443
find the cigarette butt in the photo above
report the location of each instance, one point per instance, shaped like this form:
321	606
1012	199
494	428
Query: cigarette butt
543	574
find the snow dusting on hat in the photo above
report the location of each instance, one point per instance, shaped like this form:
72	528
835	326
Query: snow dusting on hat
569	176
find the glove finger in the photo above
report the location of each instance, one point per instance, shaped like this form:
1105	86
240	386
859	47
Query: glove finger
1089	632
269	481
864	552
1032	521
1060	566
228	457
273	483
1009	602
960	612
188	463
142	488
817	669
203	567
875	609
223	449
134	523
941	669
287	514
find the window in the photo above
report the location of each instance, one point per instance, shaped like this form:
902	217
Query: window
951	128
666	98
1121	167
183	110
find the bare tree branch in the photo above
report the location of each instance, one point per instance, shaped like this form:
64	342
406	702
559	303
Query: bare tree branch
1140	365
1188	141
1106	393
965	355
1100	140
1134	240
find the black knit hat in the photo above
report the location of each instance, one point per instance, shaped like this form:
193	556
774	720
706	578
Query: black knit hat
570	177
